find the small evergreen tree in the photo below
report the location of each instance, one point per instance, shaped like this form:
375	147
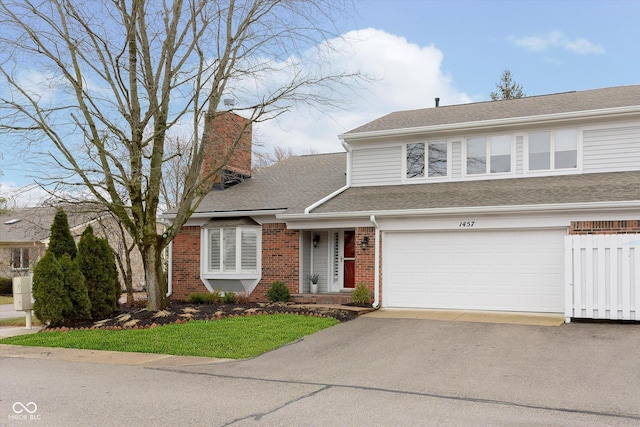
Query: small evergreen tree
507	88
98	267
48	290
61	241
76	289
112	283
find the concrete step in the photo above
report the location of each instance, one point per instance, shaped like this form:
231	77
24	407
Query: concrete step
339	298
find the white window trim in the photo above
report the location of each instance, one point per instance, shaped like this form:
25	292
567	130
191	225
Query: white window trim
487	172
552	170
21	268
426	177
237	274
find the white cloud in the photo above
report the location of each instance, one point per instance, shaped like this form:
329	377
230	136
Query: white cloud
556	39
405	76
22	196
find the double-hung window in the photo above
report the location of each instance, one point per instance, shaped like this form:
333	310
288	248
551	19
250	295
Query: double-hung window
20	259
550	150
429	158
232	250
489	155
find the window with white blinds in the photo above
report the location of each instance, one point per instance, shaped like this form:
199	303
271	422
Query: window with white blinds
233	250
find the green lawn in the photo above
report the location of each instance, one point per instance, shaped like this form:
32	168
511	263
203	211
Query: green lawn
6	300
233	338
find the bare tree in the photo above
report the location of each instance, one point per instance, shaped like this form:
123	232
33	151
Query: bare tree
507	88
275	155
100	85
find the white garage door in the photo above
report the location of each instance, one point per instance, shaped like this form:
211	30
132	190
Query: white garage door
480	270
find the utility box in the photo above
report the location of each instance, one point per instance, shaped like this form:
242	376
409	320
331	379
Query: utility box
22	293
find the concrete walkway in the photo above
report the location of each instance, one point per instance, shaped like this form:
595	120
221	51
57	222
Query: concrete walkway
7	312
514	318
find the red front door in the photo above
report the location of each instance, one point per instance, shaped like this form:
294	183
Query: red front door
349	259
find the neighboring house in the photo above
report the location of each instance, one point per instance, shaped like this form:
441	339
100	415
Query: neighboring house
457	207
24	237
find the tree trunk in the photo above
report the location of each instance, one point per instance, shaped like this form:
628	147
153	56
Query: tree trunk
155	279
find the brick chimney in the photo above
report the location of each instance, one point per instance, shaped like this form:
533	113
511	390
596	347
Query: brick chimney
229	131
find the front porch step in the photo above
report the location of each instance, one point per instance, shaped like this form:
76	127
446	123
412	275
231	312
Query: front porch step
337	298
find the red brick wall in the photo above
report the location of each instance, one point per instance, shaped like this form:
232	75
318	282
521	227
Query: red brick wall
228	132
605	227
280	259
186	264
365	258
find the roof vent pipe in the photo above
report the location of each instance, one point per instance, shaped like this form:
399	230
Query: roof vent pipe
437	102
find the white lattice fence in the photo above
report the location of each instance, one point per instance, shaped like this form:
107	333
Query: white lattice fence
602	277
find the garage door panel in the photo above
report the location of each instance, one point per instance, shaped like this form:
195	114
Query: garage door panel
485	270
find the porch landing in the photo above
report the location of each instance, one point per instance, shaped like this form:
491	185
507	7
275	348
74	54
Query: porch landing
333	298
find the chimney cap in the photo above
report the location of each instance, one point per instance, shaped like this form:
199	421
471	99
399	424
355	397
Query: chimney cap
437	102
229	102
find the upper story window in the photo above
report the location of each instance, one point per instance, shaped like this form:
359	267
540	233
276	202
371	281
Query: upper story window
429	158
20	258
232	250
489	155
553	150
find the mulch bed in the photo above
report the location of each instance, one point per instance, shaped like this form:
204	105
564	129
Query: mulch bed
141	318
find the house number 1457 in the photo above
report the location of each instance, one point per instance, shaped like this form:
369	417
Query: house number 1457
467	224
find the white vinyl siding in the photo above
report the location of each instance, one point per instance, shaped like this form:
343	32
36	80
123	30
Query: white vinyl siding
376	166
519	154
611	150
456	159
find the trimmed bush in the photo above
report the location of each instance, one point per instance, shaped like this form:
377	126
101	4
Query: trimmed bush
98	266
278	292
61	241
48	290
204	298
229	298
76	289
6	286
361	295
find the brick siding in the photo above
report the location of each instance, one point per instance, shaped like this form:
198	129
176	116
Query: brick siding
365	258
186	264
605	227
280	259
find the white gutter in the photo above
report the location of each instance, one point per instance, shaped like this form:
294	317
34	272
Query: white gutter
229	214
308	210
376	269
555	207
482	124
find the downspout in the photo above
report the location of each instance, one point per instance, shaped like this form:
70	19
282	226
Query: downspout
170	270
376	269
338	191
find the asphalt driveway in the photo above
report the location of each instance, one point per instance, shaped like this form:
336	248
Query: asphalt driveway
368	371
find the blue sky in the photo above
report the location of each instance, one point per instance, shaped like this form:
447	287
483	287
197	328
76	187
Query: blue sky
415	50
479	39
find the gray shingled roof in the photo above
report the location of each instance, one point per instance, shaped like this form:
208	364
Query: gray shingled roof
34	224
621	96
292	184
584	188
